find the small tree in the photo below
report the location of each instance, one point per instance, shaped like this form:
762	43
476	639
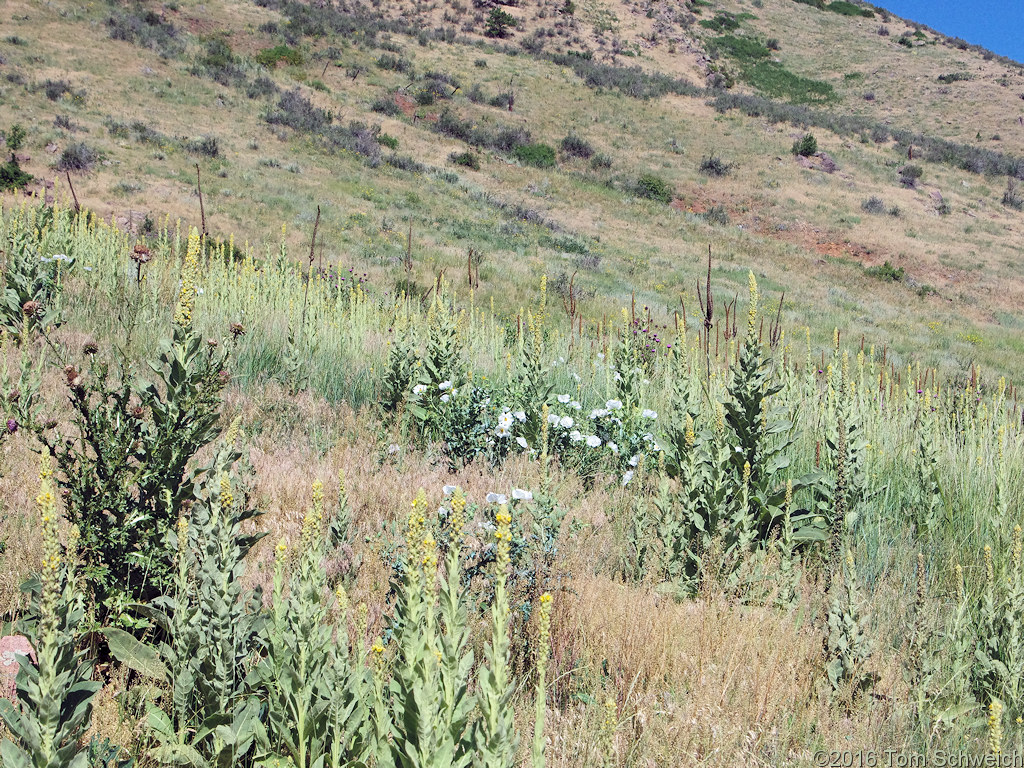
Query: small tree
806	146
11	175
498	23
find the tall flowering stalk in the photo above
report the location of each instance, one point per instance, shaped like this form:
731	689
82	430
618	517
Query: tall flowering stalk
543	649
55	695
495	735
189	276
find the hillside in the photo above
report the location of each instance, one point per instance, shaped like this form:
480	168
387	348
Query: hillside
560	384
154	89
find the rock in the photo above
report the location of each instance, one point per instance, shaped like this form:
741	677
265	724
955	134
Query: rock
52	148
12	649
828	165
936	196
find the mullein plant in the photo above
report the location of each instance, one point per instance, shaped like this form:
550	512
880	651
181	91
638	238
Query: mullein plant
313	688
494	736
999	645
428	691
848	643
48	720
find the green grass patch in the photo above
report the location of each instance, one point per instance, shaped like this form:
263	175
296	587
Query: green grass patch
770	77
270	57
849	9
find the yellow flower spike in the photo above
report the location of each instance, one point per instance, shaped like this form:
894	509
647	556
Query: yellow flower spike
189	275
746	474
429	553
691	437
318	497
342	597
752	309
995	727
233	431
227	498
503	539
51	549
457	520
1018	545
280	550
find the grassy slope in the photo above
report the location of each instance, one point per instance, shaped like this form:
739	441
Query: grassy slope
801	229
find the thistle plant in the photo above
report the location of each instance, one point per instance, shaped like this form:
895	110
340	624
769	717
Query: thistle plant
50	716
134	440
209	628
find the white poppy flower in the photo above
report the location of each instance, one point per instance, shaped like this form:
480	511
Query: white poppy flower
634	461
600	355
575	404
520	416
445	398
575	436
505	420
553	418
564	399
419	389
613	405
444	385
496	498
566	422
627	477
448	490
599	413
502	431
614	448
594	441
649	414
522	443
519	493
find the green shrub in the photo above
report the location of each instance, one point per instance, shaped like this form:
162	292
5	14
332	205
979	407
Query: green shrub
887	272
717	214
849	9
576	146
910	174
654	188
394	63
805	147
271	57
873	205
386	105
722	22
955	77
715	166
538	155
386	140
466	159
77	156
12	177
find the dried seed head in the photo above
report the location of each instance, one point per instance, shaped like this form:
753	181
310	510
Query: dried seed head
141	254
90	348
14	395
236	329
31	308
